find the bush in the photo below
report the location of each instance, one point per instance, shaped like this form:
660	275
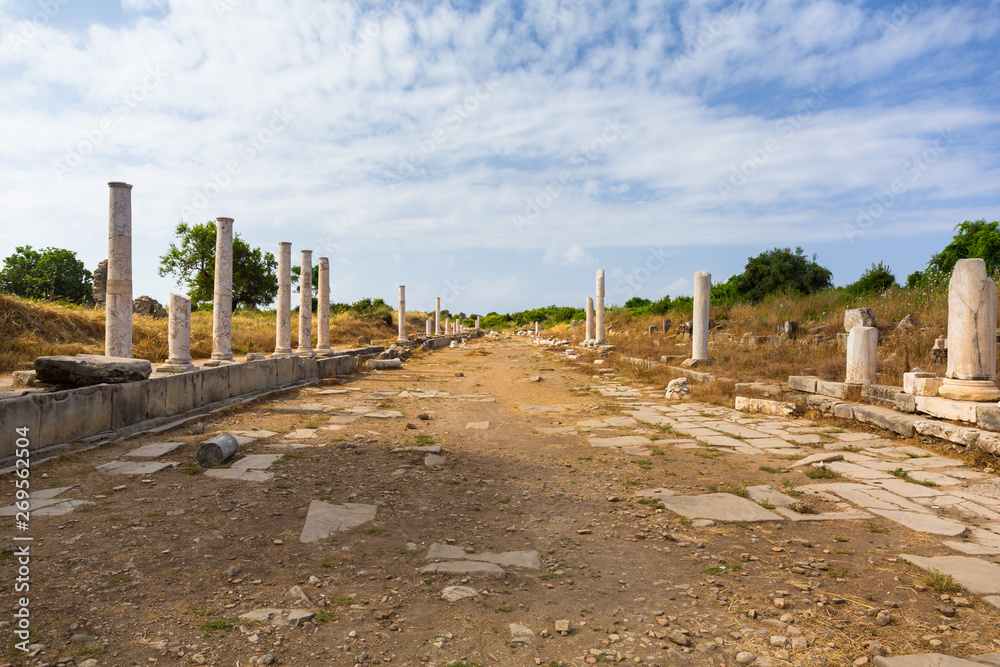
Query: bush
874	280
780	271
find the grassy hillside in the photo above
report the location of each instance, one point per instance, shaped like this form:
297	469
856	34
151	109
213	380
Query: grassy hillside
30	329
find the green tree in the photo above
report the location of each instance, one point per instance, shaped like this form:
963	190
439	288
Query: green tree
49	273
779	271
192	262
876	279
978	239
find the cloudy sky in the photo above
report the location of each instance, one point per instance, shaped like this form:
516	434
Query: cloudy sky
498	153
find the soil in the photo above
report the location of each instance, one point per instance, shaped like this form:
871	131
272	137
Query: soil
158	569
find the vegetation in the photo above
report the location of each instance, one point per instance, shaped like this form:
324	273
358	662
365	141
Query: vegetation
192	262
49	274
978	239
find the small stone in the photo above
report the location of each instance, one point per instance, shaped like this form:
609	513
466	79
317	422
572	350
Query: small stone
679	638
745	658
863	660
778	640
562	627
779	603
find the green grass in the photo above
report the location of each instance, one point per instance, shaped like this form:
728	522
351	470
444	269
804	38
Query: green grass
325	562
204	611
503	501
585	458
942	583
905	476
221	624
707	453
766	504
547	576
375	531
422	439
771	469
319	482
820	473
463	663
343	600
878	530
643	463
837	572
324	616
119	578
850	448
504	608
193	469
841	539
284	485
652	502
735	489
90	650
722	568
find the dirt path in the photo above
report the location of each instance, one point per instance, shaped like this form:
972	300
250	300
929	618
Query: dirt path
159	567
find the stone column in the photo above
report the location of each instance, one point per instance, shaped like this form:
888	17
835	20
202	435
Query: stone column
699	325
283	307
447	326
862	354
178	337
536	328
600	337
222	302
402	314
323	348
477	324
429	326
118	303
305	306
588	334
437	316
972	334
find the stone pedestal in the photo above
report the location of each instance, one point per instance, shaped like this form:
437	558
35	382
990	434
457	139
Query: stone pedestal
305	306
323	348
178	337
402	314
222	301
599	337
437	316
118	299
283	307
589	333
972	334
862	355
699	324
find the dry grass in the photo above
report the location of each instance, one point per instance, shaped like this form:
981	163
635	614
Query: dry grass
30	329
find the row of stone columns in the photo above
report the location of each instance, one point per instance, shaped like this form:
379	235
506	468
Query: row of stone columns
595	332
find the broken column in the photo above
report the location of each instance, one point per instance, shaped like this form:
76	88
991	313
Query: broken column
429	326
477	324
222	301
862	355
402	313
305	306
699	326
178	337
323	348
447	326
283	307
536	328
118	304
437	316
599	334
589	334
972	334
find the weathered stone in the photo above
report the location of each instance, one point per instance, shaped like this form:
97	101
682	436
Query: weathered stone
972	334
222	299
523	559
324	519
87	369
939	353
600	334
908	322
283	304
118	303
217	450
975	575
678	388
700	320
961	435
921	384
859	317
862	355
885	418
467	568
718	507
924	660
278	617
788	329
305	306
178	337
323	348
456	593
100	277
154	450
806	383
134	467
147	305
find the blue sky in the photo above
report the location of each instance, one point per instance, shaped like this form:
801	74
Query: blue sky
497	154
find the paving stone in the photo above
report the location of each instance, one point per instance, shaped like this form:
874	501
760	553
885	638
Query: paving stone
425	449
251	468
301	433
324	519
972	549
523	559
134	467
844	515
626	441
543	408
278	617
822	457
467	568
907	489
343	419
521	634
154	450
478	426
719	507
764	492
45	503
721	441
975	575
922	523
256	434
992	600
621	422
853	437
556	430
855	471
432	460
385	414
924	660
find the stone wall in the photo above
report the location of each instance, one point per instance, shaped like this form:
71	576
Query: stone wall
57	419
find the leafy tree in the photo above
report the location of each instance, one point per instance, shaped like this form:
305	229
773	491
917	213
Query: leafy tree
192	261
779	271
978	239
876	279
637	302
49	273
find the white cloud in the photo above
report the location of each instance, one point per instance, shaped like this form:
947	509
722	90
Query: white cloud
567	256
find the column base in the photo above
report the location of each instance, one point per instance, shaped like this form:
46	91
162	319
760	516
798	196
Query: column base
219	361
969	390
170	366
307	353
324	352
281	354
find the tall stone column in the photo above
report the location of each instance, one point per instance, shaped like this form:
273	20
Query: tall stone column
305	306
323	348
178	337
862	355
447	326
477	324
283	307
600	337
699	325
429	326
536	328
437	316
402	314
222	302
972	334
118	303
588	336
